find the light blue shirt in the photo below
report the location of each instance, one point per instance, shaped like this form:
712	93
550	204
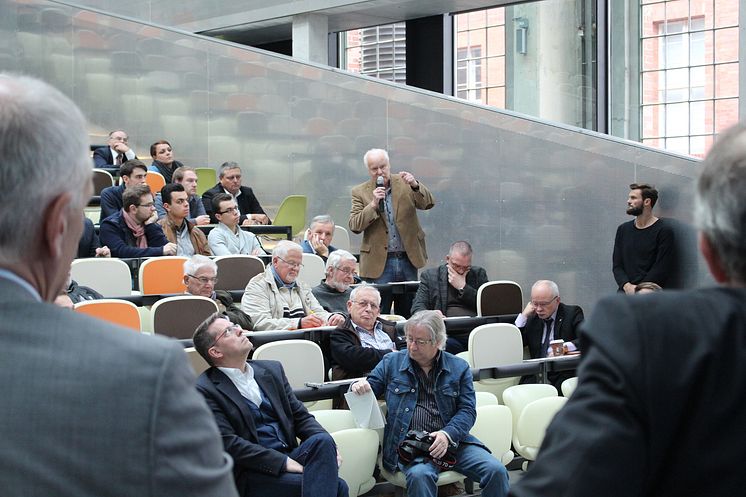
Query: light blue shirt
4	273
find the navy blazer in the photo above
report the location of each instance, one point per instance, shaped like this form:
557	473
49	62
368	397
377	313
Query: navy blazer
111	200
116	235
102	157
236	423
566	327
89	241
432	293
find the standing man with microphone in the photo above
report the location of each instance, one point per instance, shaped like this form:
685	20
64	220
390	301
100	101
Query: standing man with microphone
384	209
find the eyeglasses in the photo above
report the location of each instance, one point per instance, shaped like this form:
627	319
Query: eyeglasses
294	265
420	342
542	304
347	271
234	328
229	209
364	304
147	206
204	279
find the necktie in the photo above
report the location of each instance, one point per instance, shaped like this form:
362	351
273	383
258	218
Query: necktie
545	342
120	158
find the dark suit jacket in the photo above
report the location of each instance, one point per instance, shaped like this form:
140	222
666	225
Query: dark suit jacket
432	294
111	200
247	202
368	221
81	396
236	424
659	408
569	318
89	241
102	157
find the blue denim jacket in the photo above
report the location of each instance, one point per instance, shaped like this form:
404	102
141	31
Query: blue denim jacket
394	379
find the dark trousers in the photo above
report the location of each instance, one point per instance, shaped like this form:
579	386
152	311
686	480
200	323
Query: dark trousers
398	268
318	456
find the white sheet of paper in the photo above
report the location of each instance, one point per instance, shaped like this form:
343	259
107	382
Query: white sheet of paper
365	410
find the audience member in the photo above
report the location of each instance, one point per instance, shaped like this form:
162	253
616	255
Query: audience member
658	409
451	290
275	300
393	246
643	247
647	287
76	293
229	176
131	232
116	153
89	244
131	173
334	291
200	278
178	229
428	389
88	408
186	176
261	420
544	319
163	160
227	237
358	344
319	237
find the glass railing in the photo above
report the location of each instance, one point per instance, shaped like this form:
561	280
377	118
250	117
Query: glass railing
536	200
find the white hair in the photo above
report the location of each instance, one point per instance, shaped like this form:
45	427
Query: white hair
719	209
337	257
283	247
197	262
44	152
365	287
321	219
374	151
548	283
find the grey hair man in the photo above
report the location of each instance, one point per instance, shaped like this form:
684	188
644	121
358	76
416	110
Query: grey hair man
319	236
229	181
277	300
69	380
334	291
357	345
384	209
662	373
413	383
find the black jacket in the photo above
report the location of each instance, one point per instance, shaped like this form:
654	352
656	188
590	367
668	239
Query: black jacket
432	294
349	358
569	318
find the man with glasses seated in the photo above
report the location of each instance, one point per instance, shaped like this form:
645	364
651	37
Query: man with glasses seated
544	319
451	290
361	342
227	237
428	389
116	152
200	278
133	232
260	419
334	291
276	300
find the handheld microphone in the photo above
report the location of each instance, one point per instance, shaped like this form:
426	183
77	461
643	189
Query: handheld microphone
379	183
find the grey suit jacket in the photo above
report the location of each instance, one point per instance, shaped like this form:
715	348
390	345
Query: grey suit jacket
91	409
432	293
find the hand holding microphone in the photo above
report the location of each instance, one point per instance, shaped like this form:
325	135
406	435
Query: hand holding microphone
380	192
